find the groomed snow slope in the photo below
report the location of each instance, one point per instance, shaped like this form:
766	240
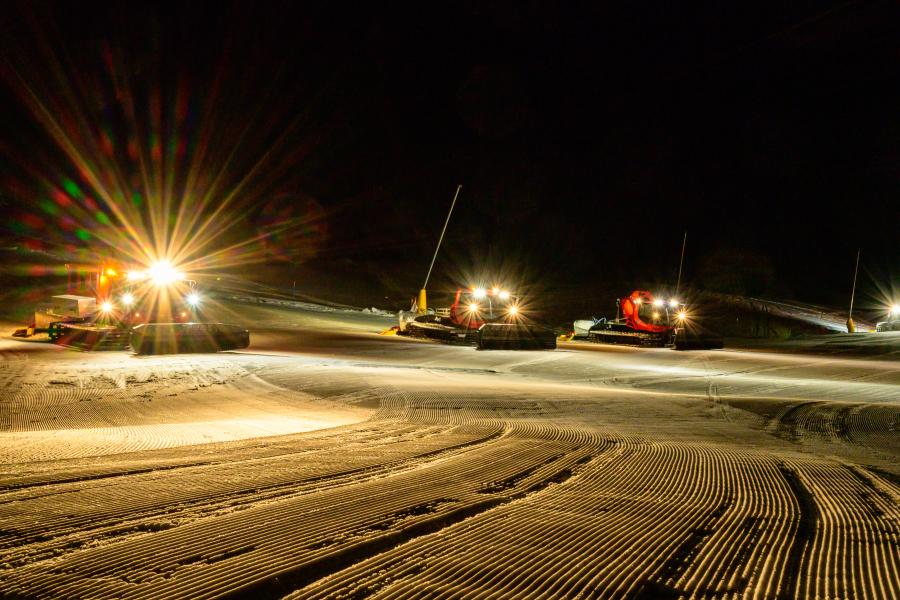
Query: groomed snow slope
327	461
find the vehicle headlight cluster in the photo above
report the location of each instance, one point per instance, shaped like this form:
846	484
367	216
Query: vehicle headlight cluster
659	302
480	293
161	273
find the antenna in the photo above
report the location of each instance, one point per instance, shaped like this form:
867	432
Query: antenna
851	326
681	264
441	239
855	272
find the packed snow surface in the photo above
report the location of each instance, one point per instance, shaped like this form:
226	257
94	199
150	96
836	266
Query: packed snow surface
328	461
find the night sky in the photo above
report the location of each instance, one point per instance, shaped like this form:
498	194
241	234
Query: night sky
587	138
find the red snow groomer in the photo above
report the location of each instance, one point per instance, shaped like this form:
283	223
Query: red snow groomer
643	320
487	318
152	310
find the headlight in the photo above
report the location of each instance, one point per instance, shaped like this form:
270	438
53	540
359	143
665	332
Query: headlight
106	306
659	302
673	303
895	310
513	310
163	273
473	307
479	293
193	299
127	299
504	295
682	315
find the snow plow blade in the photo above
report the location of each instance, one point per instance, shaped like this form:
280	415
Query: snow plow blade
172	338
514	336
685	339
88	337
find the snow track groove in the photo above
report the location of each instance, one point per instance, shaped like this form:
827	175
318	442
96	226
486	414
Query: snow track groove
495	475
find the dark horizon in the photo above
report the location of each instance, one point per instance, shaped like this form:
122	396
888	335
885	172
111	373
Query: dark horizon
587	140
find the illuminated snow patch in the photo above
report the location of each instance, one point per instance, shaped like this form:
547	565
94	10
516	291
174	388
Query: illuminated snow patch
29	446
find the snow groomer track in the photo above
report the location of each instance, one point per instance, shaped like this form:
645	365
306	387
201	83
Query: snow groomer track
330	462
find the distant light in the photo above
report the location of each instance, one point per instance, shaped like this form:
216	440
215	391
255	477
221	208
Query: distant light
673	303
193	299
895	310
513	310
495	291
479	293
163	273
656	316
137	314
183	313
659	302
106	306
504	295
127	299
682	315
473	307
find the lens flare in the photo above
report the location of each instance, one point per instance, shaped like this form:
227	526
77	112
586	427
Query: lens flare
163	273
142	167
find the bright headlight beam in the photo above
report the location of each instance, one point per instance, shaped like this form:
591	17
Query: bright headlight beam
163	273
673	303
513	310
895	310
106	306
473	307
193	299
127	299
504	295
479	293
658	302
